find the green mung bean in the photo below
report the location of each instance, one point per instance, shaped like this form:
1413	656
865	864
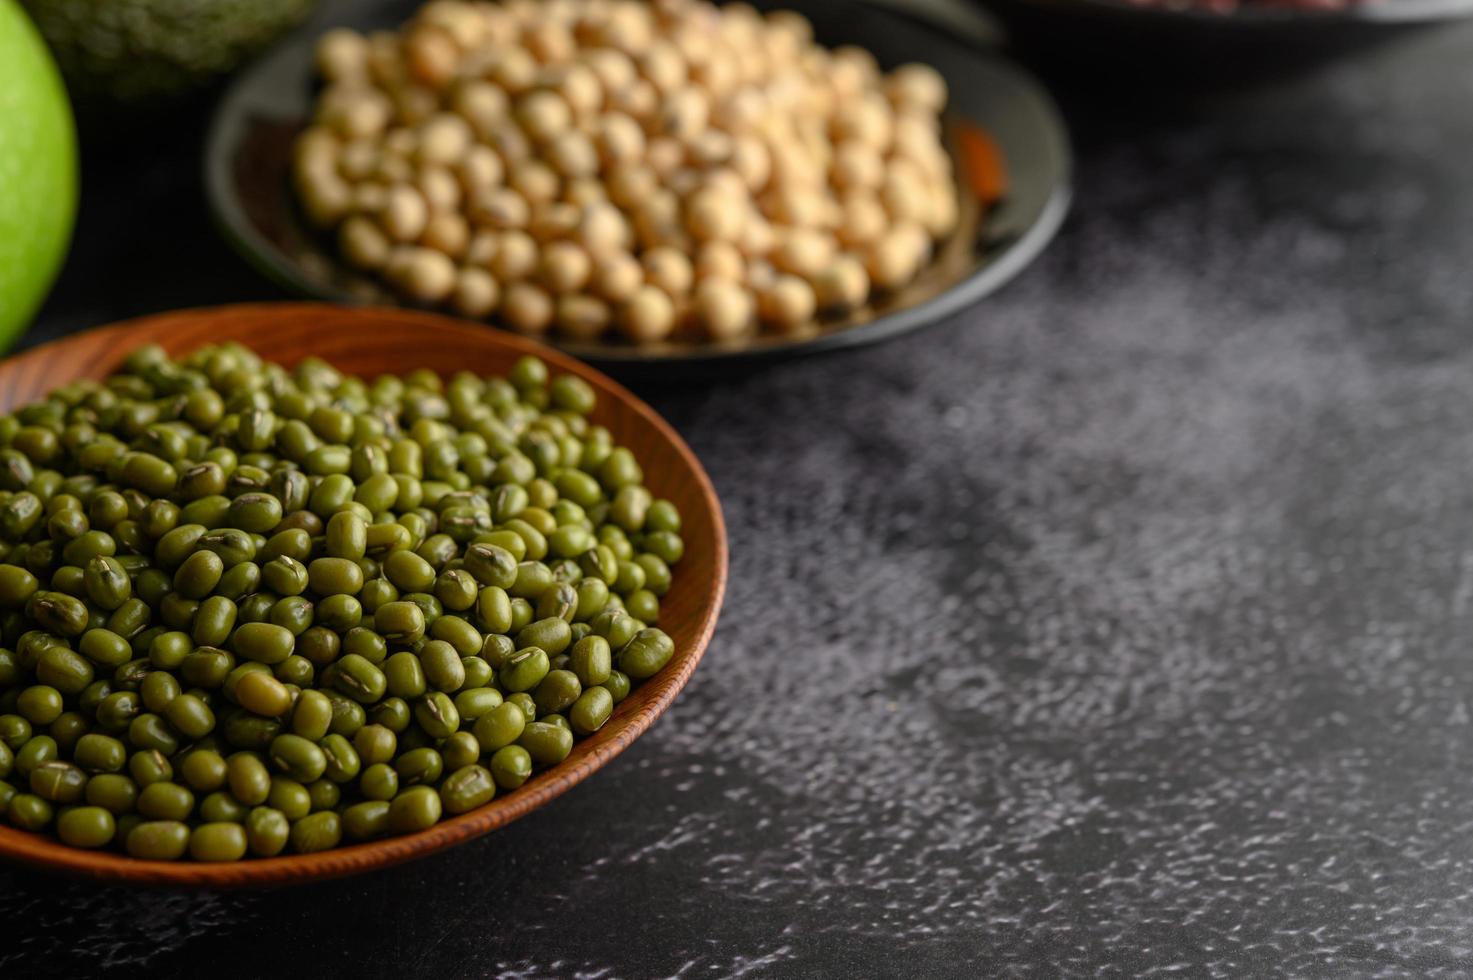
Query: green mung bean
248	612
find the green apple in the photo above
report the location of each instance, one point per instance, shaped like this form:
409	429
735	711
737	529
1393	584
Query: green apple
38	171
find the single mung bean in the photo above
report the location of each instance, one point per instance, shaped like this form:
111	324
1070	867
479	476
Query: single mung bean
460	749
467	788
500	726
343	762
319	646
617	685
420	765
656	573
190	715
339	613
552	634
317	832
113	792
478	673
325	795
346	536
165	801
366	820
458	632
366	644
64	670
511	765
297	757
29	811
149	731
204	770
248	778
379	781
267	831
414	809
456	589
198	575
106	582
548	744
616	626
168	650
643	605
215	619
232	545
284	575
263	694
222	841
441	664
221	807
265	643
207	667
560	601
474	702
404	675
646	653
591	660
335	576
359	679
86	826
100	753
58	612
556	692
399	622
436	714
375	743
524	701
243	730
158	840
525	669
408	571
66	729
293	613
150	766
257	513
58	782
290	797
592	709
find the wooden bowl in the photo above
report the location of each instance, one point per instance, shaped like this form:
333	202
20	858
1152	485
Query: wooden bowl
369	342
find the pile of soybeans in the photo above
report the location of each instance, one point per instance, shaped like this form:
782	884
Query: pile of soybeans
663	171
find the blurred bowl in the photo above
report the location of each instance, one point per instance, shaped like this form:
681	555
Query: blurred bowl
1132	41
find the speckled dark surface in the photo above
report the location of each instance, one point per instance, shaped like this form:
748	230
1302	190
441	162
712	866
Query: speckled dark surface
1123	626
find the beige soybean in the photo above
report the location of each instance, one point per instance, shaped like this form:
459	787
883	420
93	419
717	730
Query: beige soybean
545	165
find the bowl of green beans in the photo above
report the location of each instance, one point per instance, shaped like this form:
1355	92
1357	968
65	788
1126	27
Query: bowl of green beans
294	591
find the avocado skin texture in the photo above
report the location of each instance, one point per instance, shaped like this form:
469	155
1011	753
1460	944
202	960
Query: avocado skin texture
133	52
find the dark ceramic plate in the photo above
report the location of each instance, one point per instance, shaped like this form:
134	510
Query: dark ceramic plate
1135	41
248	153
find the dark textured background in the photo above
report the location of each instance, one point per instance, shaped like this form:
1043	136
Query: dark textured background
1118	627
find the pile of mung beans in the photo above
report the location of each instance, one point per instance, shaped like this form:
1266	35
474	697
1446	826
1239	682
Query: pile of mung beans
665	170
246	611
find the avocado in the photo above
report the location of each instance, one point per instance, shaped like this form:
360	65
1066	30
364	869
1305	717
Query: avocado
141	51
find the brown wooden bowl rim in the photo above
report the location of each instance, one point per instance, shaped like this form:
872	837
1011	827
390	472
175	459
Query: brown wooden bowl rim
590	754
